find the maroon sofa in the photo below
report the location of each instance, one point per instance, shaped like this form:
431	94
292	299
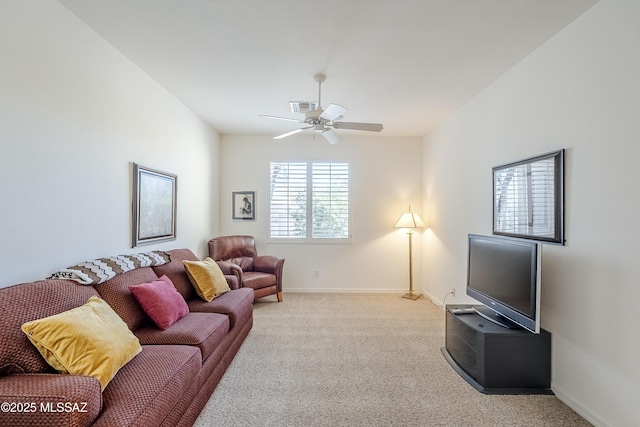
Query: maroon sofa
166	384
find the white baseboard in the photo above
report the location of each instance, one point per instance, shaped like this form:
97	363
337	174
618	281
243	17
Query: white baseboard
425	295
434	300
343	290
584	412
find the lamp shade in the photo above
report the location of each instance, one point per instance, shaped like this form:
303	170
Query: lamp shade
409	220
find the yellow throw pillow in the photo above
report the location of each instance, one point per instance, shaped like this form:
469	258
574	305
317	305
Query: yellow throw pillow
87	340
207	278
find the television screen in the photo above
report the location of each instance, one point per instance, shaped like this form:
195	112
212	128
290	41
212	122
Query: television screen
504	274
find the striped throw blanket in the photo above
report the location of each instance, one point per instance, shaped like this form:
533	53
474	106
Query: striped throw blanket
102	269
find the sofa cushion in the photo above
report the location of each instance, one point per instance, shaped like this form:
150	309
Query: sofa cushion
207	278
28	301
237	304
87	340
203	330
117	294
147	388
175	271
161	301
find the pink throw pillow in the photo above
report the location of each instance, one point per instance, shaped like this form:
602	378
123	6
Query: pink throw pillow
161	301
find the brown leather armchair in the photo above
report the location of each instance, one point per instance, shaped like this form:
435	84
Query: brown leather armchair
237	255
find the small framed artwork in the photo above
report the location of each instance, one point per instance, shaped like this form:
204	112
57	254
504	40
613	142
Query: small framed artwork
244	205
154	206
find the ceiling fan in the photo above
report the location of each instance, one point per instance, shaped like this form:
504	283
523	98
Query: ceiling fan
323	121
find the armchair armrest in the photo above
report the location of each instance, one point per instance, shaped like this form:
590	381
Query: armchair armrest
50	399
268	264
271	264
232	272
232	281
228	267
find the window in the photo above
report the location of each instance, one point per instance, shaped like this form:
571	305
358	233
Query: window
309	201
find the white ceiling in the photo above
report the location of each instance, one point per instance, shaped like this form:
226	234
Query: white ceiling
406	63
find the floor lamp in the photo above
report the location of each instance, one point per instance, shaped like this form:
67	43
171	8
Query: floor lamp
410	220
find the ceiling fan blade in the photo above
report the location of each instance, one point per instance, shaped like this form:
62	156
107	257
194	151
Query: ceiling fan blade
373	127
331	136
333	112
293	132
281	118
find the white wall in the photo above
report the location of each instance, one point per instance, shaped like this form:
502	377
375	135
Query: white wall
74	114
386	176
579	91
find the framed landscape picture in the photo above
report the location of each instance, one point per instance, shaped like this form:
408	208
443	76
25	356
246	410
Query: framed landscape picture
154	205
244	205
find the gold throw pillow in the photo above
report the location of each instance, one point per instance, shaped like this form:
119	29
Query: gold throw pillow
87	340
207	278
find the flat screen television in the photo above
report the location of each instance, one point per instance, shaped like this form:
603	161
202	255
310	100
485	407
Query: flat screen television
504	274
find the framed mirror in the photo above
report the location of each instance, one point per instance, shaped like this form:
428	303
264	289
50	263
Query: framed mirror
528	198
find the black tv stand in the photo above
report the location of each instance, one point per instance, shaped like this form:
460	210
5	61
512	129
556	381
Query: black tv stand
497	360
496	318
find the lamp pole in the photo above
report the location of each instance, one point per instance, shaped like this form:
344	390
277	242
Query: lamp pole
410	220
410	294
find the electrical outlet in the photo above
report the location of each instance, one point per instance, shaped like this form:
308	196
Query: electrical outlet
316	273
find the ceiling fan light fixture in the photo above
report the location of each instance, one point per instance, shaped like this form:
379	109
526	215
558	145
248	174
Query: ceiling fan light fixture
303	106
321	120
331	136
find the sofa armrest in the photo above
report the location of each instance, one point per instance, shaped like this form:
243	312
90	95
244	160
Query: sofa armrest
268	264
50	400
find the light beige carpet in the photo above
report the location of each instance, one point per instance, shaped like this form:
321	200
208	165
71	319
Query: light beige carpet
359	360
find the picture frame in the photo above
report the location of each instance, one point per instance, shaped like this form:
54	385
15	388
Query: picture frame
244	205
154	206
528	198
